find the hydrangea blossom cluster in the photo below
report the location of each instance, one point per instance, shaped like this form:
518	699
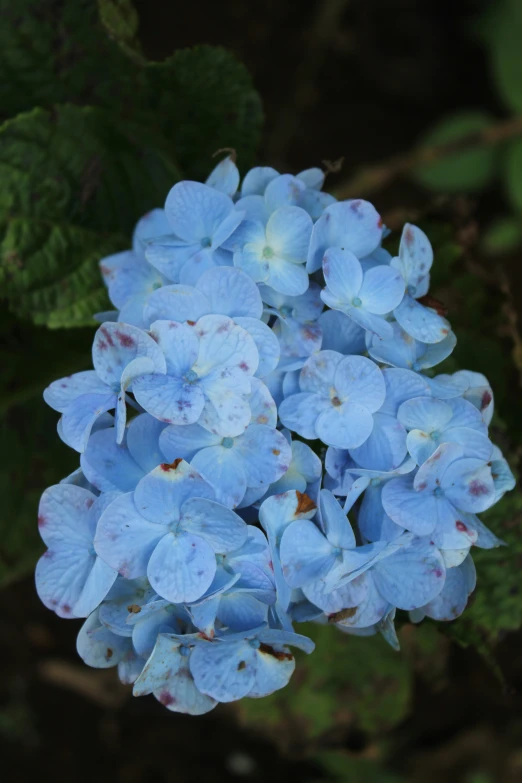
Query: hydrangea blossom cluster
263	441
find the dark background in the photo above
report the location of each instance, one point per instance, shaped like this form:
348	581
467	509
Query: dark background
361	80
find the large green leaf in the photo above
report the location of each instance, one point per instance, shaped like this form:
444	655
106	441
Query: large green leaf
53	52
462	170
204	100
72	185
500	29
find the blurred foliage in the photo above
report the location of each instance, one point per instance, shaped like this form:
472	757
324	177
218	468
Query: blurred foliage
499	30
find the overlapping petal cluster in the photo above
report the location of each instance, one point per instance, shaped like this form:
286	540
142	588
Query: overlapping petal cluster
257	327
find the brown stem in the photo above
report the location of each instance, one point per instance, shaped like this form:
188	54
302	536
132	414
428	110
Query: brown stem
373	178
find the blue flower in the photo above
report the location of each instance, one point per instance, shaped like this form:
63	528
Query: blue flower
167	675
70	578
129	277
338	396
433	501
219	291
353	225
201	219
414	262
275	254
253	663
170	529
207	377
120	354
453	598
101	648
364	296
110	466
264	191
224	177
431	422
402	350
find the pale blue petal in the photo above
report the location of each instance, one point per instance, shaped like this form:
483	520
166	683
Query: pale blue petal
220	527
109	466
429	476
231	292
241	611
343	275
370	611
306	555
96	586
168	255
421	322
124	539
468	484
312	178
415	257
79	418
153	224
176	303
419	512
283	191
116	345
61	574
179	344
334	521
265	454
425	413
143	434
266	343
346	426
319	372
224	177
186	441
452	600
385	448
99	647
63	516
412	576
400	350
169	399
341	333
402	385
382	290
262	406
273	672
301	411
225	413
161	494
182	567
353	225
288	234
195	211
257	179
60	394
222	344
224	670
224	471
286	276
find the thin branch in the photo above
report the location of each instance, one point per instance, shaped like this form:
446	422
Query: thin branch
374	178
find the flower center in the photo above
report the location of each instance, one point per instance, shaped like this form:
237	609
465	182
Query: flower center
206	242
227	443
268	252
285	310
157	285
435	435
191	376
184	651
255	643
356	302
336	402
437	492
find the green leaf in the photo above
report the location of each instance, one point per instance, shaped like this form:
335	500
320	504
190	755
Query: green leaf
514	174
502	33
348	681
121	20
204	100
341	767
73	182
463	170
54	52
502	236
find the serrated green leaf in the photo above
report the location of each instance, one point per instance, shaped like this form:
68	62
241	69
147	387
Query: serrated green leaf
459	171
48	53
72	185
204	100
